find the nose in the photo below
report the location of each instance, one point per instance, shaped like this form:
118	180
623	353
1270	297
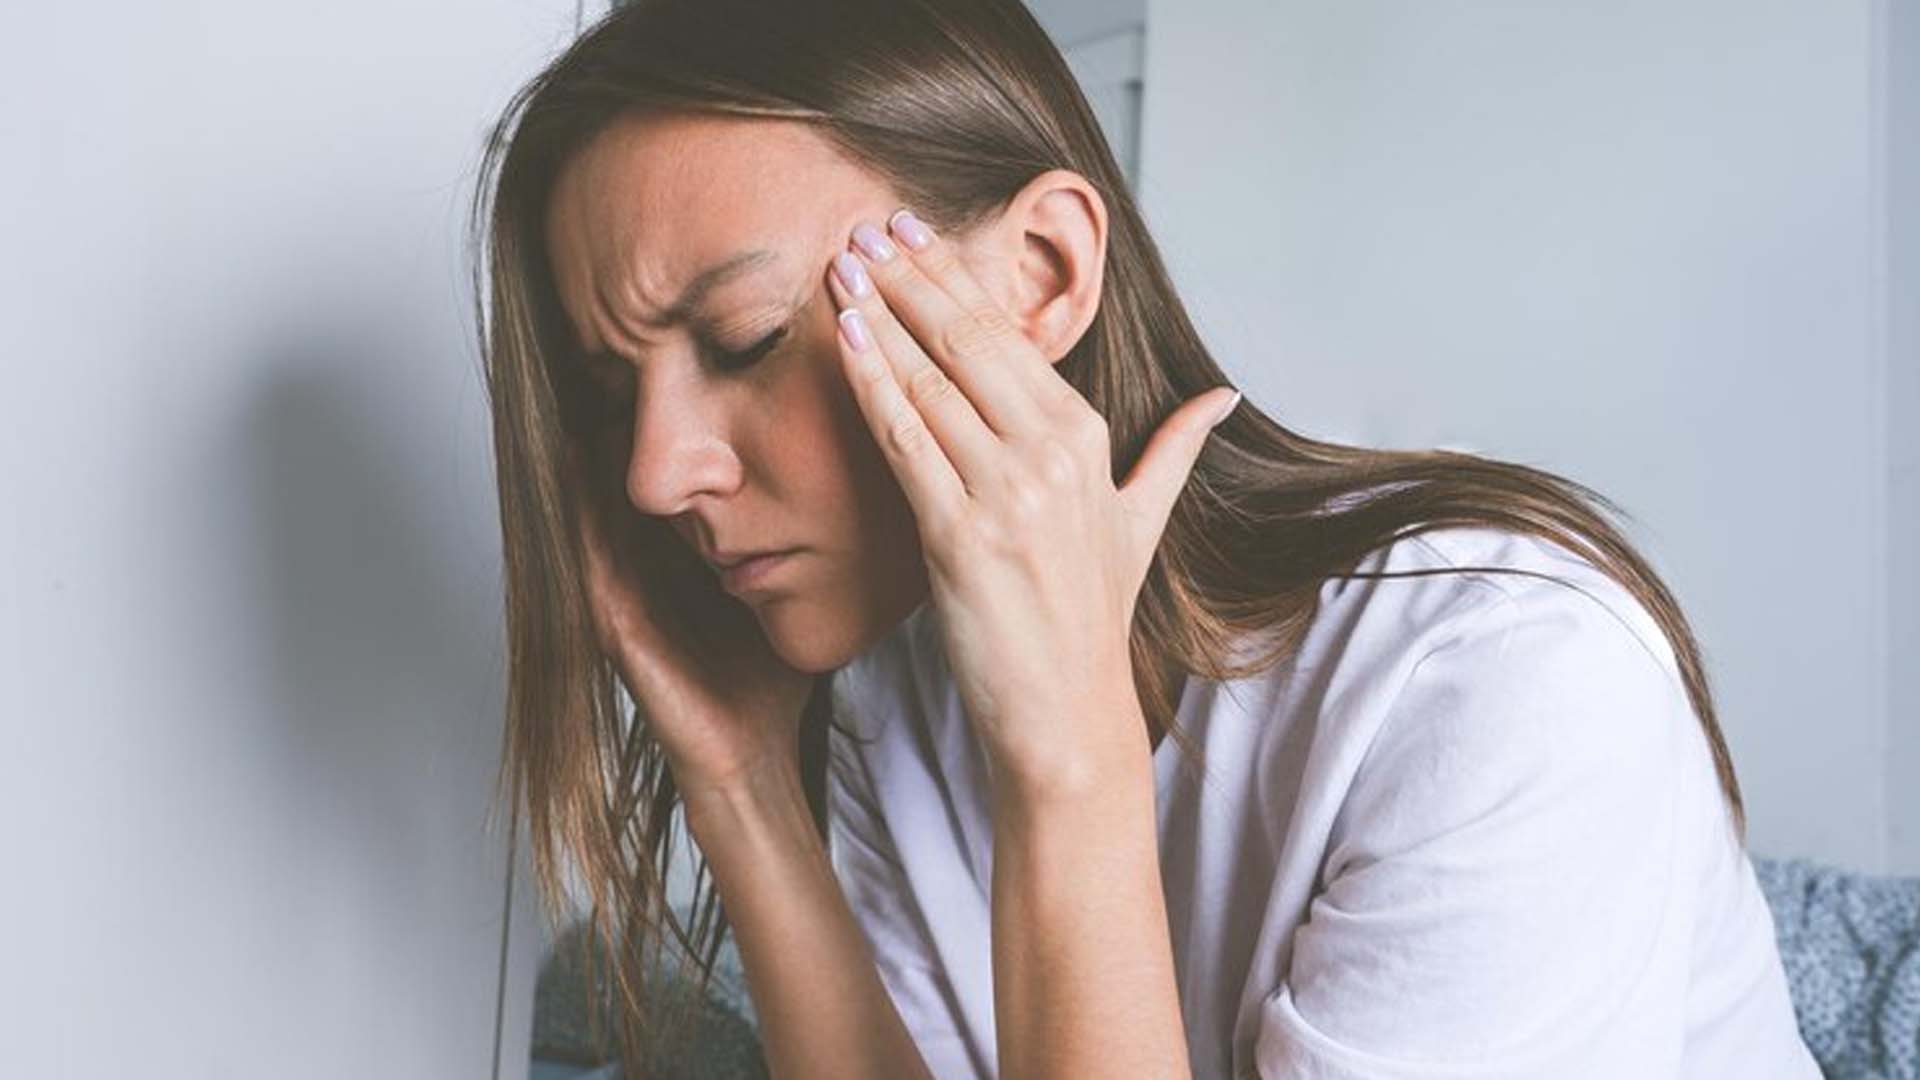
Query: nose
681	449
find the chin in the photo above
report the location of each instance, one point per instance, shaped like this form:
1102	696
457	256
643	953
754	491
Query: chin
807	638
818	640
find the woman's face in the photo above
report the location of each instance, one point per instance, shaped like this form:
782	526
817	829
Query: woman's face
747	454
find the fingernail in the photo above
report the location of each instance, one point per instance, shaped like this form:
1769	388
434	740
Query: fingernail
873	242
852	275
911	230
855	328
1227	409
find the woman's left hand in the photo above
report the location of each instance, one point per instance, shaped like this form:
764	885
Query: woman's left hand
1034	558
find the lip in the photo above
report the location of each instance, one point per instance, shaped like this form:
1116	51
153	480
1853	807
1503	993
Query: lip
753	573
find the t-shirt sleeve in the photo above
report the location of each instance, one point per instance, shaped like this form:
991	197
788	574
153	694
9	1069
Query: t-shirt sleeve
1499	896
878	891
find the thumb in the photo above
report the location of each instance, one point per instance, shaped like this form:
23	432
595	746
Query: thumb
1157	479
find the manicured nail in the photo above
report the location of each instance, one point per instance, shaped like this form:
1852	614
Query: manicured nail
1227	409
911	230
873	242
855	328
853	277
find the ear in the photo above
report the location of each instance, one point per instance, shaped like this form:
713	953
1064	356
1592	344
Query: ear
1044	259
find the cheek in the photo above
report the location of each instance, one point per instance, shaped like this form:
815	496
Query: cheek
831	470
840	495
816	440
836	476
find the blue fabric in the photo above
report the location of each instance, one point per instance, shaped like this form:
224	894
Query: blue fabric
1850	944
574	1018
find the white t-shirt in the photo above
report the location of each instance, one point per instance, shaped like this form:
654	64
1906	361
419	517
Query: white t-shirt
1471	830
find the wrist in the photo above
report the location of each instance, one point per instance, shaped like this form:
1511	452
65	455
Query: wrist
1119	764
1076	789
767	791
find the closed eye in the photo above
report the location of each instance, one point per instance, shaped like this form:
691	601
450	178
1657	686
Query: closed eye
738	360
605	396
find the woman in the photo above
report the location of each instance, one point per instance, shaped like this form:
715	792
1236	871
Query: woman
1041	727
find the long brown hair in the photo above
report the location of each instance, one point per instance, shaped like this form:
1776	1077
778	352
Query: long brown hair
957	103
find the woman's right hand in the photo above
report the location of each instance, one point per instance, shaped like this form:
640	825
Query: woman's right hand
721	703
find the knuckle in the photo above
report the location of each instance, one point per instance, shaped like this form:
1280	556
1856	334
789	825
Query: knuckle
928	386
905	431
1093	431
993	322
894	270
1065	398
875	374
939	260
969	338
1058	464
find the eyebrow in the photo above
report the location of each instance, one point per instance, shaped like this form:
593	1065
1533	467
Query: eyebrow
694	295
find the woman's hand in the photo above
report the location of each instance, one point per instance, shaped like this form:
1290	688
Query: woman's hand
723	705
1034	558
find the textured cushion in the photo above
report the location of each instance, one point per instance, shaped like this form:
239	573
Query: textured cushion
573	1023
1850	944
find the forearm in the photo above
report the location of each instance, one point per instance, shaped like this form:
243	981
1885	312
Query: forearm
1084	981
822	1009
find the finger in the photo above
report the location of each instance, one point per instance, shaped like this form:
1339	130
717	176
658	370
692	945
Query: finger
942	264
974	452
1156	480
932	487
977	346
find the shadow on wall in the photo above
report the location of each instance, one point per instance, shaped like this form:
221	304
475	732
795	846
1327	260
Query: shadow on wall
376	588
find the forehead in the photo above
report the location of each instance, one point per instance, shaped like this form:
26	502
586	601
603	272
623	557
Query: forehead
652	201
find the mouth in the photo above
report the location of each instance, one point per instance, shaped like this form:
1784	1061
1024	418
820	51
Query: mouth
751	570
727	560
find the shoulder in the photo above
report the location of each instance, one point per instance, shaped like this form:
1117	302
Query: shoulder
1511	827
1531	698
1529	616
1459	584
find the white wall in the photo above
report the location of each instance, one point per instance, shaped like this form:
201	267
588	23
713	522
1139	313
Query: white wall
1102	41
1071	22
248	628
1901	63
1638	243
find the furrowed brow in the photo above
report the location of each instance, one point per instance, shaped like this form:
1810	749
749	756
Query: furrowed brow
695	294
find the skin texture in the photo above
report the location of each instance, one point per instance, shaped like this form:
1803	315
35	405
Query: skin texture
775	455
